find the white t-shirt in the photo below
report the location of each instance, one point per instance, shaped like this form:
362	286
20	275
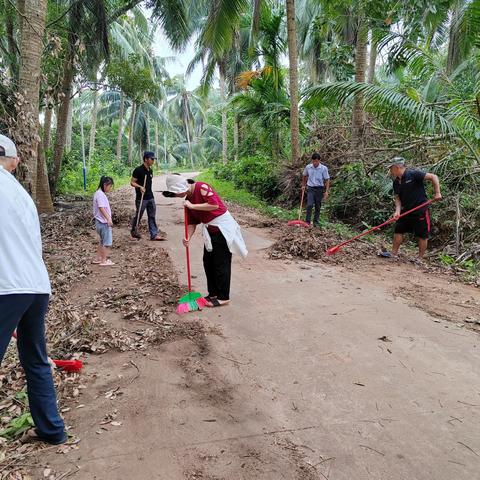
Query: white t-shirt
22	269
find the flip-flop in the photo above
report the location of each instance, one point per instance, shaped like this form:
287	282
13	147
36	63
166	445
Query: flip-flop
95	262
385	254
158	239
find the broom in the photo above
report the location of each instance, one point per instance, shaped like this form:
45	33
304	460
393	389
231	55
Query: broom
299	223
192	301
71	366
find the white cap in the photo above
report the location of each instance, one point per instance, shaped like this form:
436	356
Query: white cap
7	147
177	184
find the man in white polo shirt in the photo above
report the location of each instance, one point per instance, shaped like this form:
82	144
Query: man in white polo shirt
317	181
24	294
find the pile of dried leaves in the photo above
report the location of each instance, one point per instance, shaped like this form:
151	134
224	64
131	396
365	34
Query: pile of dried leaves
312	243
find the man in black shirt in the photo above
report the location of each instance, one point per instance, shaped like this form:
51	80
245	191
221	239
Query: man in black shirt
142	181
409	189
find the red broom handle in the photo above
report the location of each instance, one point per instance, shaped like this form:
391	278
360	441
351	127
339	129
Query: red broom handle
391	220
187	249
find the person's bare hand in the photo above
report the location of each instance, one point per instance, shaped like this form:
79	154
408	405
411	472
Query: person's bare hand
396	215
438	196
143	189
325	195
186	242
110	223
188	204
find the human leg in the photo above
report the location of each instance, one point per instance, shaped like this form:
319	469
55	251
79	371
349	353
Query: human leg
222	260
133	229
310	203
208	266
318	203
32	351
152	223
12	308
397	241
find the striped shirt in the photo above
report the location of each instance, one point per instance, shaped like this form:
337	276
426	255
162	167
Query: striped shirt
316	176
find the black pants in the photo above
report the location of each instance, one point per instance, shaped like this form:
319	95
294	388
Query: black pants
151	208
218	267
314	198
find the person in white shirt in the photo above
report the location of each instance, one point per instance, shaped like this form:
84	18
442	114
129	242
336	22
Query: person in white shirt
317	181
24	295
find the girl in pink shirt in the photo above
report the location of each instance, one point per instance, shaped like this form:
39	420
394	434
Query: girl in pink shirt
103	222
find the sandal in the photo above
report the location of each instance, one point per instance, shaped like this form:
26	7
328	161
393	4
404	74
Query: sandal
214	302
158	239
95	262
107	263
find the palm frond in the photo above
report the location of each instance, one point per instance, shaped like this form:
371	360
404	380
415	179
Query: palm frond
385	102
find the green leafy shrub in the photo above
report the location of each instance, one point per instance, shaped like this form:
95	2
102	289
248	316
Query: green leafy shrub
257	174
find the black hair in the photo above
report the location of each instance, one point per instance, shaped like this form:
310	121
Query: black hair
105	181
315	156
190	181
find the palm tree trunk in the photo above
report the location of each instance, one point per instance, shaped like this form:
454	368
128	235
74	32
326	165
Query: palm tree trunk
130	133
156	140
44	199
293	61
235	138
47	126
221	70
453	55
32	20
120	127
68	140
372	60
358	117
93	127
147	131
62	121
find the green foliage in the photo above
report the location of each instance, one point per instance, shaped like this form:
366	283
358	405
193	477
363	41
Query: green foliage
359	198
17	426
103	163
133	79
256	174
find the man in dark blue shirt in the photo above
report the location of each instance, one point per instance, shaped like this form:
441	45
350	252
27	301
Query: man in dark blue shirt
409	189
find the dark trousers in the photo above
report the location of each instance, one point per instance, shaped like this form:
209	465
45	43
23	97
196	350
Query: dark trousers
151	208
218	267
26	313
314	198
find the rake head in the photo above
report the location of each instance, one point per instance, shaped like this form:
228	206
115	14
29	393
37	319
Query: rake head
333	250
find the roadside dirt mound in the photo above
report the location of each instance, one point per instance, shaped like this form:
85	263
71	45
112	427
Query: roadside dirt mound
312	243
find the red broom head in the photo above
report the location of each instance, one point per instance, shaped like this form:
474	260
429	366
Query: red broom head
71	366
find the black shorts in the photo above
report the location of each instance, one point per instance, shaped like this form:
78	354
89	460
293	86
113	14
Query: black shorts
418	224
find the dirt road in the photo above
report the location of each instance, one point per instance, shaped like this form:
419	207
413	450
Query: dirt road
293	382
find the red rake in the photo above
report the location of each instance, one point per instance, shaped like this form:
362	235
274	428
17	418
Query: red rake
336	248
299	223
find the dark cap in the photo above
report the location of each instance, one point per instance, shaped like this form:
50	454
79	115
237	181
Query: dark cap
149	155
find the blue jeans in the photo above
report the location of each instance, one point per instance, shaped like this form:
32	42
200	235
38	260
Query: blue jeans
151	208
26	313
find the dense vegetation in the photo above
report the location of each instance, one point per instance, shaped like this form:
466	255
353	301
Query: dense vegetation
372	79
